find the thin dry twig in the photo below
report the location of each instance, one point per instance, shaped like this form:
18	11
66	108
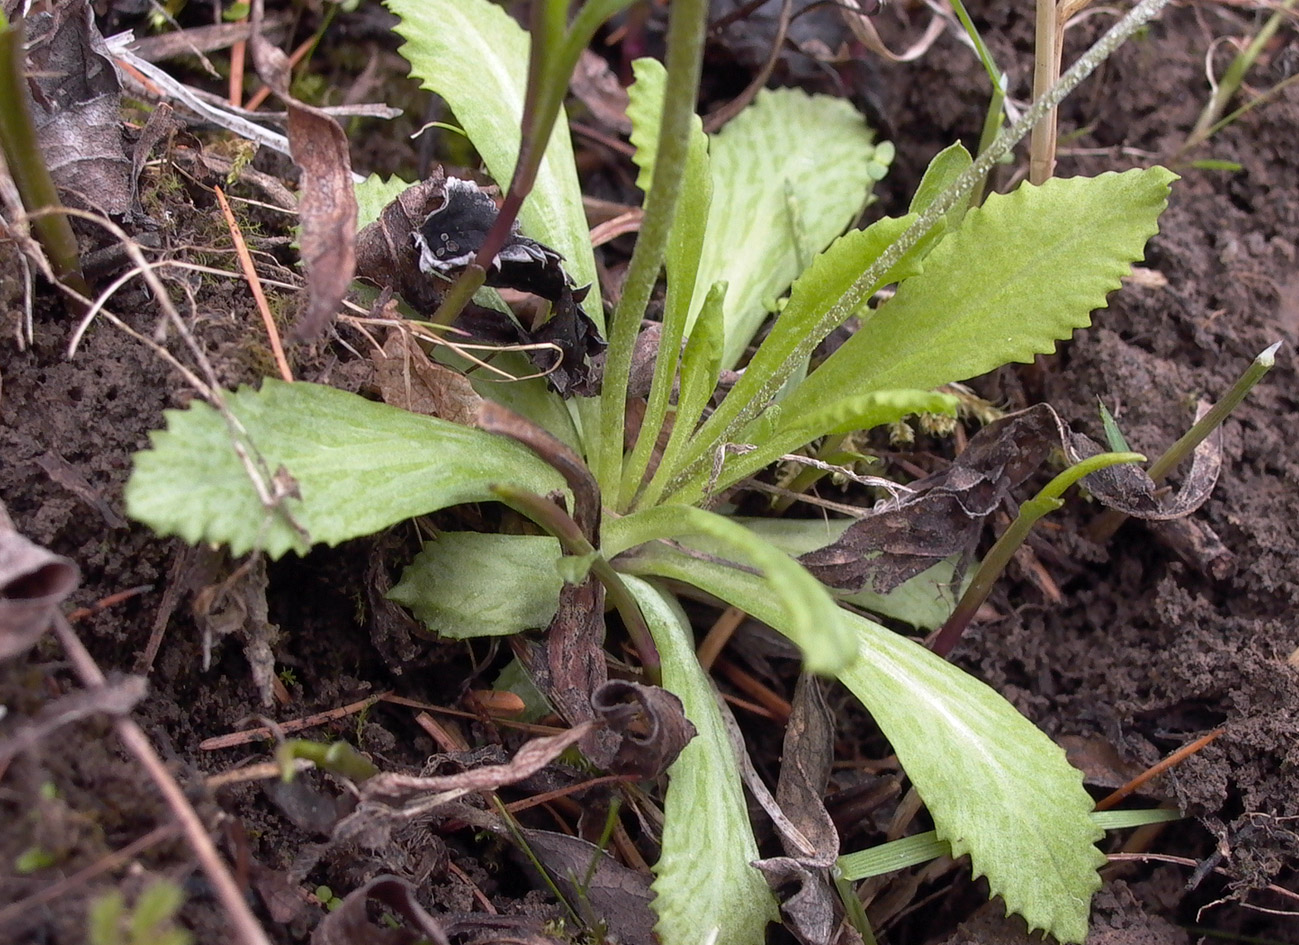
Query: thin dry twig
1157	769
243	923
254	283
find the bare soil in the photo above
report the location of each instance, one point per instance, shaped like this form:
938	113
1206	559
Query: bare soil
1122	653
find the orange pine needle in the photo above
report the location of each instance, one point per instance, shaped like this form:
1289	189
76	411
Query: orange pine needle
1157	769
255	284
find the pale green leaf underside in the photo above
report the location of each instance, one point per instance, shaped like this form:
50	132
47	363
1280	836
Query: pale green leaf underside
705	882
996	787
475	584
475	56
1021	273
359	466
790	173
810	611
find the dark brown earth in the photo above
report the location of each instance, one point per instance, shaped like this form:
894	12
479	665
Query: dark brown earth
1148	646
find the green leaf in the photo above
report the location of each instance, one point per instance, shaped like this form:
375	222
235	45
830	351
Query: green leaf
790	173
809	609
1022	272
996	787
705	882
778	432
373	194
947	165
359	467
475	56
645	111
831	274
473	584
922	847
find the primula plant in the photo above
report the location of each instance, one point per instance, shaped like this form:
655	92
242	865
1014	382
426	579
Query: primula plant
752	219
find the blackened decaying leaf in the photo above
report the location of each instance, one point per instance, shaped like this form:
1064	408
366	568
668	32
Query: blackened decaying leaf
385	251
76	108
650	722
450	237
401	250
327	207
944	514
33	582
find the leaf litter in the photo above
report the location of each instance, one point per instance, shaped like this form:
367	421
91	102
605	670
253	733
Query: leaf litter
1173	605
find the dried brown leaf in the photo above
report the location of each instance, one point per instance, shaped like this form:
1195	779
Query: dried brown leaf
650	723
409	379
944	514
327	204
33	582
76	100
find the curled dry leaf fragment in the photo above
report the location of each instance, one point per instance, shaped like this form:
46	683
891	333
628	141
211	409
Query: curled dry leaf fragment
945	513
650	723
33	582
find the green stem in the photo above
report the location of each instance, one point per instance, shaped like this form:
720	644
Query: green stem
734	413
338	757
993	119
1108	522
1193	437
560	525
1046	501
27	165
687	28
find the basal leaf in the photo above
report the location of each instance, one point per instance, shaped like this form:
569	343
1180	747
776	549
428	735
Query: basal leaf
705	883
1021	273
475	584
829	276
809	609
790	173
996	787
359	466
766	441
475	56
